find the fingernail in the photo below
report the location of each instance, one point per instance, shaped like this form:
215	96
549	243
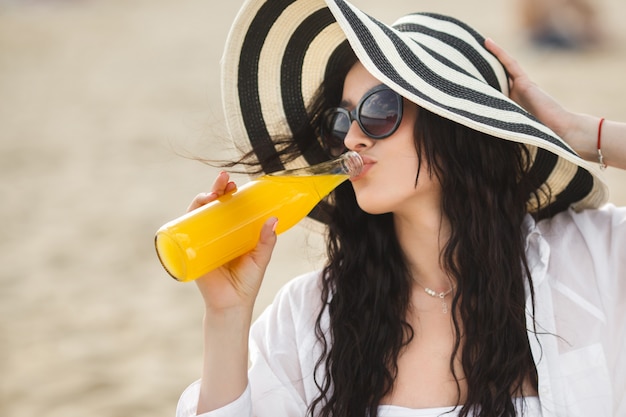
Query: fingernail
230	186
275	226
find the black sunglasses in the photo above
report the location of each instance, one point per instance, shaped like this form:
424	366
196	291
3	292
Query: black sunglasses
378	113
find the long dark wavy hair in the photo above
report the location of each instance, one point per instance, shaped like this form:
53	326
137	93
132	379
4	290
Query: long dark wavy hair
366	285
366	279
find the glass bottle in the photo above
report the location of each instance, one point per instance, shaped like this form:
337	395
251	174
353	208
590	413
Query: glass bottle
218	232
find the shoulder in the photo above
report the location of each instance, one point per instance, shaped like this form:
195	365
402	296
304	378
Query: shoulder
585	250
580	248
597	227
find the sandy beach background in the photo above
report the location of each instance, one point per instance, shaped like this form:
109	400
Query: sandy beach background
98	99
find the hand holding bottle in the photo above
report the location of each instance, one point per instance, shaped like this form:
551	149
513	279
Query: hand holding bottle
236	283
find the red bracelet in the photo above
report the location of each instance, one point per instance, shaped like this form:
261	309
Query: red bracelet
600	157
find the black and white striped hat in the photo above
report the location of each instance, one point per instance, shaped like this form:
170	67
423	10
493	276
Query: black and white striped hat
278	51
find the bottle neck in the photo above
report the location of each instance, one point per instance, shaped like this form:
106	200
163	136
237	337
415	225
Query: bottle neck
349	163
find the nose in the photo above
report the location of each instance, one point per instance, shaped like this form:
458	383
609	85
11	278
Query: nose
356	139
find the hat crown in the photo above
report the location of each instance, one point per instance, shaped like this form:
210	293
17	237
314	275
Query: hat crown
455	44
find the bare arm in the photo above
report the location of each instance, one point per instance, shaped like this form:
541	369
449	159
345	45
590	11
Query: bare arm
229	293
579	130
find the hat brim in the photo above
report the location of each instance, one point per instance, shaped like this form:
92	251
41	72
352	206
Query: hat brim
278	52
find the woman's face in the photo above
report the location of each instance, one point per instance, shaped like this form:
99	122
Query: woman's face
387	182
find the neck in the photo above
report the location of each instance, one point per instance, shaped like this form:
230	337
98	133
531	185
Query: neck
422	238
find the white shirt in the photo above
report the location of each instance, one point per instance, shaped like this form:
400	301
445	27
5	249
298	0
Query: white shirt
578	266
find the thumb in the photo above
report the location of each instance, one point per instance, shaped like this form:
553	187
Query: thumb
262	253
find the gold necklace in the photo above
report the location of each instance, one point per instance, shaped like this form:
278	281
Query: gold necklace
441	295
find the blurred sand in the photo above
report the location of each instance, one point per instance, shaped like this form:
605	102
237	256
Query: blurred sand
98	99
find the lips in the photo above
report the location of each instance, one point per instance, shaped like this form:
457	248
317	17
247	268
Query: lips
367	165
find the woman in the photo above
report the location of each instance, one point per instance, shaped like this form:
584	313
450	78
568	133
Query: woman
471	270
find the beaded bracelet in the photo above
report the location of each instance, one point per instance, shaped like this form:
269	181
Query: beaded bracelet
600	157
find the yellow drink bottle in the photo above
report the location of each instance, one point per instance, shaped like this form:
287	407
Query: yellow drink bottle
208	237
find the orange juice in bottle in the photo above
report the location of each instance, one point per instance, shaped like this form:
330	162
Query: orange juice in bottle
218	232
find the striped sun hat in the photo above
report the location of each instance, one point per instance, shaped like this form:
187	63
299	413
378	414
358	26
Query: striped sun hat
278	52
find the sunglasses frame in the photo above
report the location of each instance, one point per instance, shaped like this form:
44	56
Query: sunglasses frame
355	115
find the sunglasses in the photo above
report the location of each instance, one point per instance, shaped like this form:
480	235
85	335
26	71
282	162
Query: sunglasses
378	113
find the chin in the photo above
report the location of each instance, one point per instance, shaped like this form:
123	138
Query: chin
372	206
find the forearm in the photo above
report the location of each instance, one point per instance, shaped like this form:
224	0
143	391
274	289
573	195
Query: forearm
582	135
225	367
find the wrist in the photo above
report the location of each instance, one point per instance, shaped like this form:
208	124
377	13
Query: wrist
229	319
581	133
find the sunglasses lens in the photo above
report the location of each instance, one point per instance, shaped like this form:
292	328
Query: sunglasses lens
335	128
379	113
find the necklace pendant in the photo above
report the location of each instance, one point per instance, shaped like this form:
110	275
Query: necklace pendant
441	295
